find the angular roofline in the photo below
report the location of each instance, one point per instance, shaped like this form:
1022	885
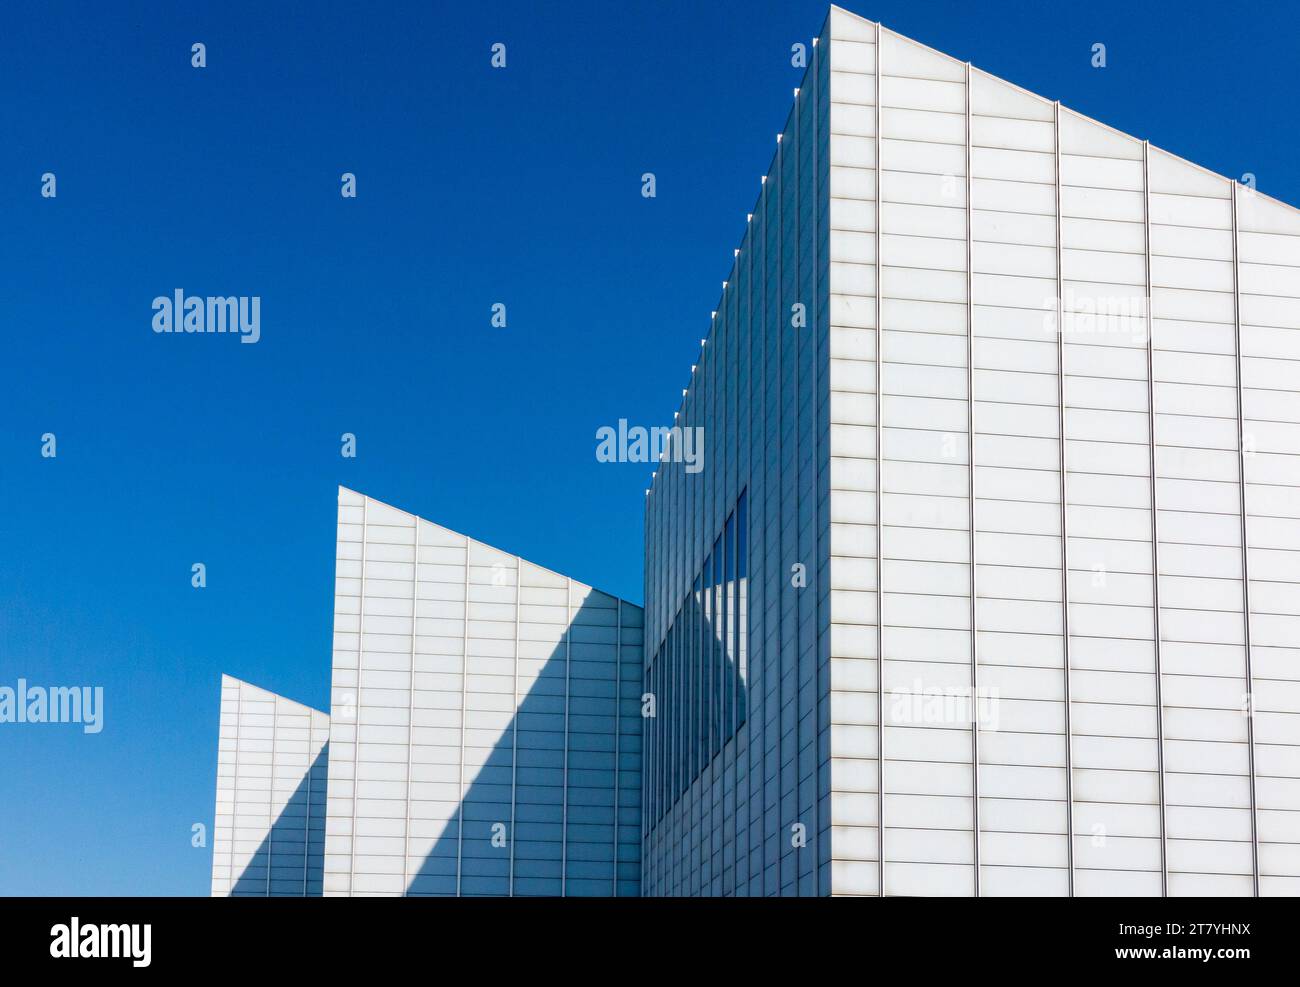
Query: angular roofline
1069	109
681	405
503	551
259	688
735	261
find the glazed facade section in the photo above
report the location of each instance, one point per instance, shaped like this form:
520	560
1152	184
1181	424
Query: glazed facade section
269	836
1043	457
752	818
702	669
989	583
486	729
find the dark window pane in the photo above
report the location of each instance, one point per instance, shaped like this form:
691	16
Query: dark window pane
728	631
742	625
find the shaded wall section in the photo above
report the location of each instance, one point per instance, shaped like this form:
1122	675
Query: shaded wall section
485	720
268	837
750	814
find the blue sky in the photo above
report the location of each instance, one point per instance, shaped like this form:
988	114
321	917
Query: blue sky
475	186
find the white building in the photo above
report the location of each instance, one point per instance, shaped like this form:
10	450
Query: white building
1001	491
990	583
269	836
484	735
486	732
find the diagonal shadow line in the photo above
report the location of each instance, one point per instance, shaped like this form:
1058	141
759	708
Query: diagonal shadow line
689	731
294	846
555	850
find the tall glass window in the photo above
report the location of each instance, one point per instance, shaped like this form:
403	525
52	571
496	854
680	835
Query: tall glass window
718	638
670	720
742	609
702	670
660	713
683	645
648	733
699	676
729	673
707	640
652	688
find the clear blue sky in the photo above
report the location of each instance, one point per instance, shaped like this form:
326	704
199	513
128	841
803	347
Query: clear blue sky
475	186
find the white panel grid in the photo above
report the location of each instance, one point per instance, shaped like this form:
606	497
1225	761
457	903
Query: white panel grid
1268	274
1115	748
477	705
1143	639
269	830
1209	791
1024	754
856	246
929	802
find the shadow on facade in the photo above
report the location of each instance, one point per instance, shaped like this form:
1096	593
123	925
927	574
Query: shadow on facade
291	859
548	856
561	837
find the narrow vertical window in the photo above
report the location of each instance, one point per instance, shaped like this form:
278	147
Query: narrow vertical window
718	639
653	733
661	690
697	637
706	639
688	655
742	610
679	707
670	720
660	711
653	786
674	715
728	629
648	732
679	714
693	627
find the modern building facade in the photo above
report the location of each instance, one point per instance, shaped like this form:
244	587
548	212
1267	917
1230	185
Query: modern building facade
269	836
990	583
486	726
1010	399
484	736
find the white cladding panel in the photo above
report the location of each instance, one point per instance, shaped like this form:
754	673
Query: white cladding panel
486	730
1268	271
269	833
1055	352
1049	356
